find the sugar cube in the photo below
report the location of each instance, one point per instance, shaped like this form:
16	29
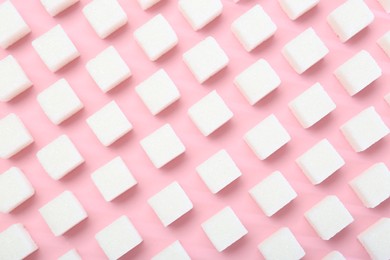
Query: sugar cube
118	238
70	255
311	105
210	113
384	41
294	9
358	72
304	50
113	179
16	243
174	251
13	80
63	213
57	6
59	101
267	137
273	193
109	123
201	12
59	157
105	16
253	28
376	239
334	255
385	4
281	245
14	136
170	203
146	4
108	69
162	146
218	171
364	129
320	161
257	81
205	59
224	229
156	37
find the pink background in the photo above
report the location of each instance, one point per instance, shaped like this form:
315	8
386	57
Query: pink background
199	148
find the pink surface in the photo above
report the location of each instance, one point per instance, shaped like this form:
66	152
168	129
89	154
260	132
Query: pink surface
151	180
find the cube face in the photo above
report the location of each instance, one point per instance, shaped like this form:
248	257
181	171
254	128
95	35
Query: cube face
200	13
109	123
175	251
384	41
105	16
118	238
146	4
70	255
371	186
312	105
218	171
320	162
170	203
12	25
350	18
253	28
59	157
162	146
14	136
108	69
224	229
13	80
210	113
16	243
364	129
294	9
205	59
358	72
334	255
257	81
156	37
273	193
59	101
304	51
328	217
385	4
54	7
376	239
113	179
63	213
267	137
281	245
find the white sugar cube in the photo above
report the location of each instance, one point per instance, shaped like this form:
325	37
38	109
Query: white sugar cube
201	12
224	229
59	157
13	80
113	179
328	217
54	7
170	203
253	27
320	162
105	16
257	81
384	41
218	171
162	146
312	105
281	245
304	50
156	37
358	72
118	238
364	129
273	193
267	137
294	9
14	136
376	239
59	101
205	59
109	123
70	255
372	185
62	213
16	243
210	113
385	4
334	255
108	69
146	4
350	18
174	251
